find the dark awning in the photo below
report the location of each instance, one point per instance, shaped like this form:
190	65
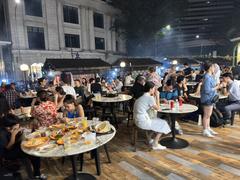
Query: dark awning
76	65
183	60
137	62
218	60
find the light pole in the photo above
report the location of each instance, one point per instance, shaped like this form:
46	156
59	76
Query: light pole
24	68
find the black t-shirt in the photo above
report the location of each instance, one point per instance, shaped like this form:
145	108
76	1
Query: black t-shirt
79	91
187	71
4	140
137	90
180	90
96	88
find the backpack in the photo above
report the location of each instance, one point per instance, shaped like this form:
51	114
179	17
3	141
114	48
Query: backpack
216	118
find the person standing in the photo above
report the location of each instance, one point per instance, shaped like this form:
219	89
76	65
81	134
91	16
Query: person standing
208	94
12	96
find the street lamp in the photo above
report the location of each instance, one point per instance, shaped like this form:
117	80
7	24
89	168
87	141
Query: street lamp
24	68
122	64
168	27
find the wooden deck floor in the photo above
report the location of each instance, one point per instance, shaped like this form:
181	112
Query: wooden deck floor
205	158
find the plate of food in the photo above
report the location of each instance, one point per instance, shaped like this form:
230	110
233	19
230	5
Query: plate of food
35	134
58	126
55	135
35	142
103	127
47	148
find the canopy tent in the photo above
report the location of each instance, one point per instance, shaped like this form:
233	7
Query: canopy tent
77	66
136	63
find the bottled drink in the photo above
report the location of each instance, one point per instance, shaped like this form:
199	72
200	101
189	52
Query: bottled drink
177	105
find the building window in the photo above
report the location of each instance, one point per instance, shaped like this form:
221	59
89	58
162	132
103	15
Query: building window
99	43
72	41
98	20
33	7
70	14
35	37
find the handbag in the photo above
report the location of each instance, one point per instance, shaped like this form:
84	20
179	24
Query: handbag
152	113
215	98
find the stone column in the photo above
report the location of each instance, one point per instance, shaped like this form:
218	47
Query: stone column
84	28
91	30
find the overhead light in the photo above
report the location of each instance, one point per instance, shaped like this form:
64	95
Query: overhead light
24	67
18	1
197	36
122	64
208	2
174	62
205	19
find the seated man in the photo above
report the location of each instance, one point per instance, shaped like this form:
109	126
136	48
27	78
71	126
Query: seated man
232	89
10	146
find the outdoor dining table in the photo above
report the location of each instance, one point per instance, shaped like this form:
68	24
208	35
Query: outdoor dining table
74	150
174	142
198	96
111	101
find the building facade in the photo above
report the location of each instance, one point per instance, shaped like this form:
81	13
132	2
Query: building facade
43	29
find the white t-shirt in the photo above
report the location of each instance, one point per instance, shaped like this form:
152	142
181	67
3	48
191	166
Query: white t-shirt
69	90
128	80
143	104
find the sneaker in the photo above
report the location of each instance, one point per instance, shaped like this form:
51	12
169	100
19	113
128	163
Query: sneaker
178	131
41	177
150	142
207	133
158	147
212	131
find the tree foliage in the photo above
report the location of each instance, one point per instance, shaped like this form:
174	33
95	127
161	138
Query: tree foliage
140	20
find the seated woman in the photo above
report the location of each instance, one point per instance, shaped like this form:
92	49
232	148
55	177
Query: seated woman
10	140
59	97
140	112
72	109
46	111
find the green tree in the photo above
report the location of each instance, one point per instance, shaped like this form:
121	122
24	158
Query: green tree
141	21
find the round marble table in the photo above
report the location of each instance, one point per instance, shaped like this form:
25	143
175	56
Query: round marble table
192	83
119	98
75	149
111	101
174	142
198	96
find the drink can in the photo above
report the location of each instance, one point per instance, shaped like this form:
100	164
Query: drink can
180	102
171	104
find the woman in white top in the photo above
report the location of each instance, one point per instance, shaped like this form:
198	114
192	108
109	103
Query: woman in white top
141	116
68	89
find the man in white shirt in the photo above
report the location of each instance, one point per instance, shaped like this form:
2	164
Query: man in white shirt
128	80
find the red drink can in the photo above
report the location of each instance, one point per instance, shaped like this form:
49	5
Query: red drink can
171	104
180	102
